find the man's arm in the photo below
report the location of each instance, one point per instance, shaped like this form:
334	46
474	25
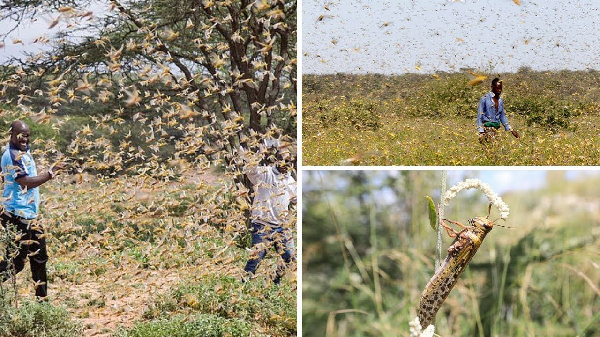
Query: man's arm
503	118
505	122
480	109
33	182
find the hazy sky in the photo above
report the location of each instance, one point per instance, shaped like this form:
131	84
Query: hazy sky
392	37
23	38
503	181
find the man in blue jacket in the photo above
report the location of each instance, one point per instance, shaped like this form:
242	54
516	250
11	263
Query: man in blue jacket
490	113
20	208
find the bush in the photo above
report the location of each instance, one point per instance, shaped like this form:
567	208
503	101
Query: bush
452	96
38	319
38	131
202	325
546	112
361	115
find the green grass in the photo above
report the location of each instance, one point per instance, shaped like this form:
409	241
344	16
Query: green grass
202	325
421	120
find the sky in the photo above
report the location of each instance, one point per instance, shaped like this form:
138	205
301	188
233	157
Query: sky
27	36
503	180
22	39
411	36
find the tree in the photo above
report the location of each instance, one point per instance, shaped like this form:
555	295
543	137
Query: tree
228	65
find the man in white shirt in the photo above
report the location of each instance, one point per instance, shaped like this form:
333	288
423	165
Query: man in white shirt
274	191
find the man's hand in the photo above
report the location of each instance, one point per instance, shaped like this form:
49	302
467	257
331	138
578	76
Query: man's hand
515	133
56	168
482	137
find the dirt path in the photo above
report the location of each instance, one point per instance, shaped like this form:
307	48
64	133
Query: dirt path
106	303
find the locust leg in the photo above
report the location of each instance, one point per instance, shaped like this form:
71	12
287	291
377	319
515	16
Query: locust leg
451	232
458	243
456	223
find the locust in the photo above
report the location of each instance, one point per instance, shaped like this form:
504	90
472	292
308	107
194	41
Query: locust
460	253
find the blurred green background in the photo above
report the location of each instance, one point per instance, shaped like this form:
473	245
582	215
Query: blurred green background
368	251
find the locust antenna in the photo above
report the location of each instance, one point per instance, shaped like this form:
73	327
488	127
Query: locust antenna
509	227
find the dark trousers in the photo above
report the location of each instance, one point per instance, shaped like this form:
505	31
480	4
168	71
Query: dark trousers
27	244
489	134
275	236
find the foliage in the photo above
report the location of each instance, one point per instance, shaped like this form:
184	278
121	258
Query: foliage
449	97
202	325
38	319
220	299
537	279
548	112
360	115
163	248
149	104
149	81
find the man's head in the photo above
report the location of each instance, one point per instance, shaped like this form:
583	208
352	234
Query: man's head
19	135
497	86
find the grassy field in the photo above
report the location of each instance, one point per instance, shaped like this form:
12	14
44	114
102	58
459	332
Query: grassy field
137	256
368	252
426	120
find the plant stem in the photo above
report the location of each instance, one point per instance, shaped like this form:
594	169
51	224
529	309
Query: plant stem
438	247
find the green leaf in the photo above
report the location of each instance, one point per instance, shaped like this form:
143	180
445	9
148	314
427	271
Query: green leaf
432	213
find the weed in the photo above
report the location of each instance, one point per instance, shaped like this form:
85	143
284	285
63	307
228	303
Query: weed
202	325
70	271
38	319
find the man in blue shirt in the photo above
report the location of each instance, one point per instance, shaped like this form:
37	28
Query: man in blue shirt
20	206
490	113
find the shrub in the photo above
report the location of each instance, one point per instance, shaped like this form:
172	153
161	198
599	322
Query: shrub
546	112
202	325
452	96
361	115
38	319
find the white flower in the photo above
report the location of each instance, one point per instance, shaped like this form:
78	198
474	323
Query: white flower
429	331
415	329
485	188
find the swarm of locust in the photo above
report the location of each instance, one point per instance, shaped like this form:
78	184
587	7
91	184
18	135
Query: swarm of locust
460	253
